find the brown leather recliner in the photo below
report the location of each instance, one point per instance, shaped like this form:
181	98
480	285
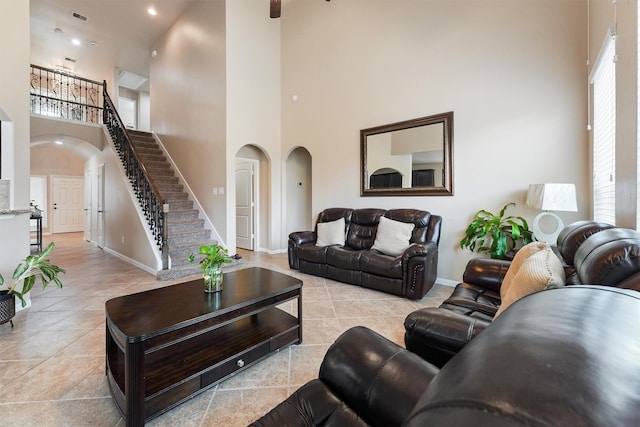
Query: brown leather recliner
410	274
592	253
562	357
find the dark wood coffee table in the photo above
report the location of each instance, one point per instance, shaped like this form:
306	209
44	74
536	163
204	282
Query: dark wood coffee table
168	344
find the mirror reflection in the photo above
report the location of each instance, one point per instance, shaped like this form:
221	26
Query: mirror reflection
408	158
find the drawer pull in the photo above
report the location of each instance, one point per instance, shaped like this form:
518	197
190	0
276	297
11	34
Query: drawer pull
240	363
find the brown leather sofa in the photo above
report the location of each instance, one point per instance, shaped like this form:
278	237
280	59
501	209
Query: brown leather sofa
410	274
592	252
561	357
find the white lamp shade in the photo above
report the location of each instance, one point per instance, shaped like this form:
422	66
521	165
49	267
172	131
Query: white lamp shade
552	197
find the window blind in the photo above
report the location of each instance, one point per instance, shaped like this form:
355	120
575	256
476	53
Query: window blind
604	134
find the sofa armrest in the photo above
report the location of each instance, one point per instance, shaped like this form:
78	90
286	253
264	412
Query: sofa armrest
296	239
379	380
418	249
301	237
437	334
419	269
486	272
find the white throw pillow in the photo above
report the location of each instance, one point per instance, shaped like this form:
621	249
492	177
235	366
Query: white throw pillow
392	237
330	233
541	270
520	258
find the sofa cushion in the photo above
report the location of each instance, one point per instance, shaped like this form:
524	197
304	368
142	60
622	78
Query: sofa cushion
381	265
330	233
541	270
362	230
344	257
313	253
392	237
474	298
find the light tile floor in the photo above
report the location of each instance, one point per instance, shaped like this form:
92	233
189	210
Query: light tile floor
52	365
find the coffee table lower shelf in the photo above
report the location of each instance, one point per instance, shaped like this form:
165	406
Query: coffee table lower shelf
177	371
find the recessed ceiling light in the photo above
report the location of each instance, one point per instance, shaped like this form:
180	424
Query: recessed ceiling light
93	44
75	42
151	11
58	142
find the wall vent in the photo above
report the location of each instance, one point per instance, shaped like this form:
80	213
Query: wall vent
66	58
80	17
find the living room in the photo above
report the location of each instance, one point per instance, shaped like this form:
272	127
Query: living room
514	74
522	83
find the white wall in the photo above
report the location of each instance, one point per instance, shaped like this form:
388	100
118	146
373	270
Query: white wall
126	232
253	109
188	102
14	101
513	72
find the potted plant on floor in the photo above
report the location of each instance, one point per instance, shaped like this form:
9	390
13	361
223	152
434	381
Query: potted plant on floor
497	235
211	264
27	272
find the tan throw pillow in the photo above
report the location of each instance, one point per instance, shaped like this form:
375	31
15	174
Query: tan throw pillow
541	270
330	233
392	237
521	256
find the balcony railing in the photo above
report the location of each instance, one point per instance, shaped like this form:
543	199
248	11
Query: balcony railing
56	94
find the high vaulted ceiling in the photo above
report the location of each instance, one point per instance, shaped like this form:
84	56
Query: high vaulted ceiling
116	34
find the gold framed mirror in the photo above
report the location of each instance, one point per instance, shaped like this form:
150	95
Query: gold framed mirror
409	158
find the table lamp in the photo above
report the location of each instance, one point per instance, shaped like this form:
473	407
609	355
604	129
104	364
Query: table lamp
550	197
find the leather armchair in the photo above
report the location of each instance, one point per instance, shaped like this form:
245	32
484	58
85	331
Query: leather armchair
364	379
540	364
592	252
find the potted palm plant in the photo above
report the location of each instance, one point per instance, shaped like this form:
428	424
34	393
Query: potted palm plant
27	272
211	264
497	235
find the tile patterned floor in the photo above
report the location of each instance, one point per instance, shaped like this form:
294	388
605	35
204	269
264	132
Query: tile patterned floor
52	361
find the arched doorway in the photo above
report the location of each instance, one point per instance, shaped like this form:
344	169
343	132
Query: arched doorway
64	184
298	214
252	170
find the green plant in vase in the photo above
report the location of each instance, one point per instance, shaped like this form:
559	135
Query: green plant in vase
496	234
211	264
27	272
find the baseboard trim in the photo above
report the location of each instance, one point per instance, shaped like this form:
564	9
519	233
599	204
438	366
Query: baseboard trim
131	261
446	282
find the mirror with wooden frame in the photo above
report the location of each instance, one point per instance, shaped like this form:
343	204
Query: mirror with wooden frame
409	158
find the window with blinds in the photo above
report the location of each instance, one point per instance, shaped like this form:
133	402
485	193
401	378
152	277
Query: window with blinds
603	81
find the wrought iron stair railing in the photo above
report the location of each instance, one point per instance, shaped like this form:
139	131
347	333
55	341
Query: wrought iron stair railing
63	95
153	205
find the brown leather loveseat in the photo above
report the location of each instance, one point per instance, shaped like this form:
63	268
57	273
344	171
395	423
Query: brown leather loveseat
590	252
394	251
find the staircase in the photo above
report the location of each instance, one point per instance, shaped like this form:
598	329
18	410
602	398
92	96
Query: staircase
186	232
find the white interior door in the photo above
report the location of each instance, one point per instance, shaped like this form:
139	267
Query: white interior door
127	112
100	205
67	204
245	204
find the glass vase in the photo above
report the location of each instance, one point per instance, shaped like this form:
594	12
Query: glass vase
213	278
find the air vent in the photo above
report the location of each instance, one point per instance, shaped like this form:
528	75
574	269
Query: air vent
69	59
80	17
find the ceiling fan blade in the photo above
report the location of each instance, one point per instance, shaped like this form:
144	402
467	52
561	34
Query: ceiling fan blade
275	9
